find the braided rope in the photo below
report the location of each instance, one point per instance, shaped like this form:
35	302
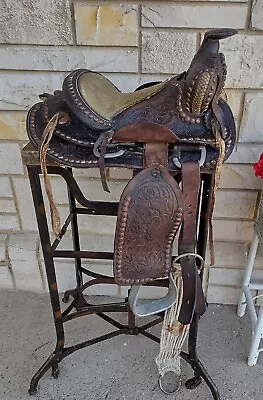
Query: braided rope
173	333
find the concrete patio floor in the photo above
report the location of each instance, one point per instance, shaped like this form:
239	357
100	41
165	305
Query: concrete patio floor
123	367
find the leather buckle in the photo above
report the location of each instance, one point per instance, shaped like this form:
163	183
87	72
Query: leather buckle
202	149
96	148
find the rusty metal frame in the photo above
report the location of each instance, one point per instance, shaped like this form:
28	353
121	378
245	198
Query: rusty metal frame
78	306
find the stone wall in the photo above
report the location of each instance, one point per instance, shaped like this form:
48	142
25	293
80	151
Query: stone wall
132	43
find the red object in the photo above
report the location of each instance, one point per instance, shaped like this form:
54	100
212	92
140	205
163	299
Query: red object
258	167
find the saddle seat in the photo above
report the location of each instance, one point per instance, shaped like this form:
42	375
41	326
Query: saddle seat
102	98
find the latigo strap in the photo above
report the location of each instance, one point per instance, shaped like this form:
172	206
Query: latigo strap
193	296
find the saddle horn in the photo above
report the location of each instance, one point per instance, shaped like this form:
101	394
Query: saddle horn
210	43
206	75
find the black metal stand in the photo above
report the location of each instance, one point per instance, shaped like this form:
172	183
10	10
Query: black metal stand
78	306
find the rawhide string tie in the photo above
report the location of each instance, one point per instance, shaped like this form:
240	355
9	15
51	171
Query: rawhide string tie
43	148
220	144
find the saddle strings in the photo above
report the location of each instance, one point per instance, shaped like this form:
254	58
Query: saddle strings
103	141
220	144
43	148
218	128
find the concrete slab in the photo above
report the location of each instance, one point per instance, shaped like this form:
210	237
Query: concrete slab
122	368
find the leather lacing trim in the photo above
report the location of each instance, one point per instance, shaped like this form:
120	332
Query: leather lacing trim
106	138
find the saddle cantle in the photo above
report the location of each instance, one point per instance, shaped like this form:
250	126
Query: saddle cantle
179	125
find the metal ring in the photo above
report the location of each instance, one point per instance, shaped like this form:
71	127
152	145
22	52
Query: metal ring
201	161
165	391
191	255
203	156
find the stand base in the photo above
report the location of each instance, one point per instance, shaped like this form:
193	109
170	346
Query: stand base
59	354
78	306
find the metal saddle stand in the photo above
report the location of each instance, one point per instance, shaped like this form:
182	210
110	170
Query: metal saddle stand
174	136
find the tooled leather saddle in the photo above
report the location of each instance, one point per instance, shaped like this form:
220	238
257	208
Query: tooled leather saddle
179	126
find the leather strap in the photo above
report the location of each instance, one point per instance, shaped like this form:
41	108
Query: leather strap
155	154
106	137
193	296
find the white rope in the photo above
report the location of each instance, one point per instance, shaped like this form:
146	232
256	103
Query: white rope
173	333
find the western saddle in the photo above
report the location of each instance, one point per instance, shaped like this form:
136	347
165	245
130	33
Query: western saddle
182	126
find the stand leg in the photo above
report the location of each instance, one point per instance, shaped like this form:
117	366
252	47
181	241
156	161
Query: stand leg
200	372
192	357
75	293
34	179
75	234
51	362
131	320
55	371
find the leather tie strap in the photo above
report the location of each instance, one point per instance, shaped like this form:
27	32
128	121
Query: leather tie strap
193	297
43	148
105	138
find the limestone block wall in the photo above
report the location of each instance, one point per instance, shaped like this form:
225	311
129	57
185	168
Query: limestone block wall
131	42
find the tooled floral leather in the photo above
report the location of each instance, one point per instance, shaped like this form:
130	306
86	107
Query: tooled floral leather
150	213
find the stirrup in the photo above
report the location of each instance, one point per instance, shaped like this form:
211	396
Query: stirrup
155	306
